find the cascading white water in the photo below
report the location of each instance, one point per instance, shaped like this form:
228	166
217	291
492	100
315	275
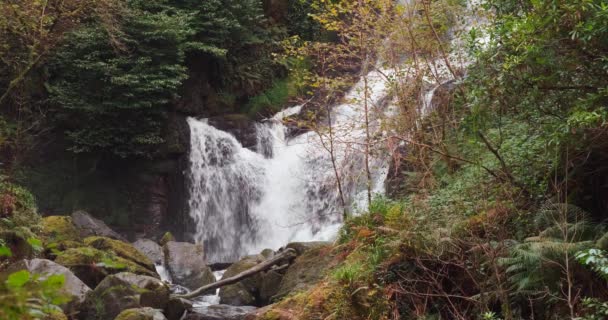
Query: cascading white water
243	201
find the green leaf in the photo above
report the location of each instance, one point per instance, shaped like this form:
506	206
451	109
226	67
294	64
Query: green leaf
5	251
36	244
18	279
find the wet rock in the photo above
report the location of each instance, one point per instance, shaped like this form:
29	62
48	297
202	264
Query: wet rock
186	264
301	247
177	307
141	314
123	291
269	286
73	287
244	292
121	249
59	228
89	226
307	269
92	265
150	249
267	253
219	312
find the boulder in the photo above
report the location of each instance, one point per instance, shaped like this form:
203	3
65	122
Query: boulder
92	265
88	226
186	264
150	249
307	269
122	291
73	287
301	247
146	313
176	308
244	292
121	249
219	312
59	228
269	286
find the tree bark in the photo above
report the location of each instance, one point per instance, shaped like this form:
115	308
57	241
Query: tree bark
287	254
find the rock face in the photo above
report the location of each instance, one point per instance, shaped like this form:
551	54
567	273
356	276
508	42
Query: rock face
73	287
92	265
307	269
141	314
186	264
123	291
150	249
219	312
121	249
89	226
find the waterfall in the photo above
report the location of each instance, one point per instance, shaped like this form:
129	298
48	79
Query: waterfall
244	201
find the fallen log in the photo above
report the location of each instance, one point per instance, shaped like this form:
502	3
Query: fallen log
263	266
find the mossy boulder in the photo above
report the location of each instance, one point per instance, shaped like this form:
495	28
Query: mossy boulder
307	269
122	291
244	292
59	228
92	265
121	249
53	249
167	237
141	314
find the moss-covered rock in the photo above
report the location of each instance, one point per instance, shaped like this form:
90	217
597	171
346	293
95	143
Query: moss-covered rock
141	314
121	249
53	249
308	269
59	228
167	237
123	291
244	292
17	241
92	265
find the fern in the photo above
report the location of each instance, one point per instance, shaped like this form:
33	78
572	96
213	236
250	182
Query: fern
536	263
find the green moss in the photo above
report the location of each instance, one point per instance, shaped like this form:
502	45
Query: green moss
121	249
59	228
108	260
270	101
167	237
56	315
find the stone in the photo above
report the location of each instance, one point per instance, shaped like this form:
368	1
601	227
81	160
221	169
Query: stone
122	291
88	226
307	269
121	249
73	287
301	247
219	312
59	228
176	308
244	292
92	265
146	313
269	286
267	253
150	249
186	264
